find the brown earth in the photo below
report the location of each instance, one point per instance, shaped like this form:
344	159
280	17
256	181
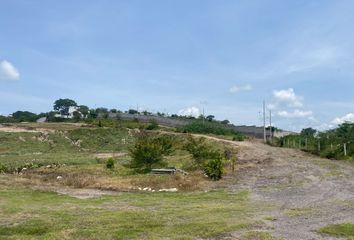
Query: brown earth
307	192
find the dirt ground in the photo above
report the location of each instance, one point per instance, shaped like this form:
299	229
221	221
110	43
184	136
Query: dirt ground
307	192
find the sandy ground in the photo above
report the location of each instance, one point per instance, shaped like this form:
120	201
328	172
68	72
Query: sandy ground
307	192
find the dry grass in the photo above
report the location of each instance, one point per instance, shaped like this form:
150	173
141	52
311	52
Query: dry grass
101	178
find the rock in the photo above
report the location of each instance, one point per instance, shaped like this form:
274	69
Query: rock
48	166
145	189
140	188
168	190
24	169
59	178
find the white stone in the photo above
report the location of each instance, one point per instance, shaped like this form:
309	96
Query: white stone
168	190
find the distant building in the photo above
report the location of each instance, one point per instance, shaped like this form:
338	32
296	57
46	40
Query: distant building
41	120
68	112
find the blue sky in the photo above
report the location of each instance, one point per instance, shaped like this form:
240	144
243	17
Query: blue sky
181	56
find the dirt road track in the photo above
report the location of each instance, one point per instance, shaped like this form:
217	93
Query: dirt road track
308	192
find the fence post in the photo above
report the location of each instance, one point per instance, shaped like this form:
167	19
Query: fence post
306	143
345	149
319	146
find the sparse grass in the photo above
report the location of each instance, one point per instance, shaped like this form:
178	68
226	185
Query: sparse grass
71	152
257	235
297	212
61	147
28	214
338	230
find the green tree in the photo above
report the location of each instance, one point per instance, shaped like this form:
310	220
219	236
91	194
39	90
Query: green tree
210	118
77	116
24	116
225	122
308	132
84	110
62	104
146	152
132	111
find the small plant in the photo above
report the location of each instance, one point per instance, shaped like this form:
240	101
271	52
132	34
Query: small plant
3	169
152	125
231	157
110	163
214	168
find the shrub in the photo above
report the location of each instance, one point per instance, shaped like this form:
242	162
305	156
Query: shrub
3	169
198	148
166	143
231	157
214	168
146	152
205	157
152	125
110	163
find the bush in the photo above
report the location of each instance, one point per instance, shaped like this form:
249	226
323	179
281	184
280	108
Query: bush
214	168
152	125
166	143
146	152
205	157
198	148
3	169
110	163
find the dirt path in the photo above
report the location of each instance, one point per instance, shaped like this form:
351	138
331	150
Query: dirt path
308	192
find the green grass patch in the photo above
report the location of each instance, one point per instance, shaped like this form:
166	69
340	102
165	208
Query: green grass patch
338	230
297	212
44	215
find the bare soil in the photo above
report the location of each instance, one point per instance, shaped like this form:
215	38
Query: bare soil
307	192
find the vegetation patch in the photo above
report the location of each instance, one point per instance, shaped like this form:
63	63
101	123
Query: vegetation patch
338	230
258	235
125	216
297	212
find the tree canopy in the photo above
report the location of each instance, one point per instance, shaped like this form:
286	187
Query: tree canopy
310	132
61	104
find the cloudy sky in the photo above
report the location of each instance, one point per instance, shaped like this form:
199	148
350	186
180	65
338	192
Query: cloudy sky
182	56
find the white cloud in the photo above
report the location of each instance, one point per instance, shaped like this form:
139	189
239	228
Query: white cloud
295	114
347	118
191	111
235	89
8	71
289	97
324	127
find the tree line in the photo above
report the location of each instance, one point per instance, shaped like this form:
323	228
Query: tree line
336	143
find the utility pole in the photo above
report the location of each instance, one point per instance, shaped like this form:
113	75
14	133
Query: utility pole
270	126
203	115
264	130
